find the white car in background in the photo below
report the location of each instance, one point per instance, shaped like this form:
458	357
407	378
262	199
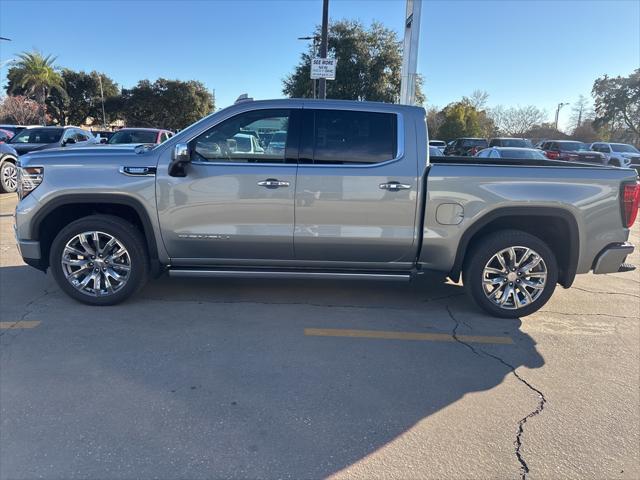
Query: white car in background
511	153
618	154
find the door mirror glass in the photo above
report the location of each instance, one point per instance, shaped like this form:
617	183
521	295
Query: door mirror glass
70	141
181	157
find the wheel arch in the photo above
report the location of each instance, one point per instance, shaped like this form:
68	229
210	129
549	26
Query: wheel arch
10	158
555	226
57	213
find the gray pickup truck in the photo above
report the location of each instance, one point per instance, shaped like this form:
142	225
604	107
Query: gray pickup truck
352	194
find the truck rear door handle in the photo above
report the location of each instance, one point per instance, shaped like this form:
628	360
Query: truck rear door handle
394	186
273	183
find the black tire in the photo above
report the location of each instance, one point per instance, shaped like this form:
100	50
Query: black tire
8	169
126	233
483	252
615	163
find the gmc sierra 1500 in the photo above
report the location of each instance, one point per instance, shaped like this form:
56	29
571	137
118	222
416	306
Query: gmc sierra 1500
351	195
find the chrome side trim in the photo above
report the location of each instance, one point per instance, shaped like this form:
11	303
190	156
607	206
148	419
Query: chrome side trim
241	164
149	171
400	147
202	273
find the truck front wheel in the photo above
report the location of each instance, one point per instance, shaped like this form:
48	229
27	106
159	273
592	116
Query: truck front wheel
510	273
99	260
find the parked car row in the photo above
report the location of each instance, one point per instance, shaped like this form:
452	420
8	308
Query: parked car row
16	140
599	153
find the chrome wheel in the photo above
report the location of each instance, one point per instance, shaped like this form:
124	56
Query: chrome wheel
514	277
96	263
9	177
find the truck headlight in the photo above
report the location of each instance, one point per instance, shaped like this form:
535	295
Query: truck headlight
28	180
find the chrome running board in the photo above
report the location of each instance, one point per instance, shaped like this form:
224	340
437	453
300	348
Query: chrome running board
222	273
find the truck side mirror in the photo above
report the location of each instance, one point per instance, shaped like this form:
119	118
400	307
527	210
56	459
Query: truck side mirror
180	158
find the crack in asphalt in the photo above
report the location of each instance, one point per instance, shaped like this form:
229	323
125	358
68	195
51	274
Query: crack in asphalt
606	293
622	278
524	467
28	311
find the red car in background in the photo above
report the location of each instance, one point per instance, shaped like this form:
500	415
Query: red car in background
571	151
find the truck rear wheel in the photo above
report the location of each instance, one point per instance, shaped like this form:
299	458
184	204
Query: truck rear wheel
510	273
99	260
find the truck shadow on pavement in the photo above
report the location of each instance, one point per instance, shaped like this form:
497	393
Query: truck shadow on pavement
216	378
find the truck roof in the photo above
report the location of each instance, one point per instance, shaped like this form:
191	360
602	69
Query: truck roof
288	102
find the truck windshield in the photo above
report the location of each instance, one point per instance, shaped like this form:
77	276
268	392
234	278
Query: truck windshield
472	142
573	146
516	142
133	136
38	135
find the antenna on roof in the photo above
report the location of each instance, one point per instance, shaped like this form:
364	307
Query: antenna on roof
244	98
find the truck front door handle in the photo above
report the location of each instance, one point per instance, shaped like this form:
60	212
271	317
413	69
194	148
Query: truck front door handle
273	183
394	186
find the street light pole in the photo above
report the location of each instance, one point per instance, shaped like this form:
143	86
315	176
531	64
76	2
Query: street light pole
324	46
560	105
104	118
315	51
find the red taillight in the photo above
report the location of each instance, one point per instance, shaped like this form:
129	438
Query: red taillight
630	201
552	155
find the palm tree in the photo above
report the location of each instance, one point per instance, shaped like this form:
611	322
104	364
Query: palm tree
38	76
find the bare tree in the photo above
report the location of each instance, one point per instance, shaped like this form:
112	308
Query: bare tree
581	112
20	110
478	99
516	121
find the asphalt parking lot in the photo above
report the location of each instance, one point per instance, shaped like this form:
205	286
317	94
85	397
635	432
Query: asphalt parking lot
284	379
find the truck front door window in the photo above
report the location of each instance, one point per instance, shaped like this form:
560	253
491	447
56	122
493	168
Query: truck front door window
237	140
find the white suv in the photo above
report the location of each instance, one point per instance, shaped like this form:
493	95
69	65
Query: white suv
618	154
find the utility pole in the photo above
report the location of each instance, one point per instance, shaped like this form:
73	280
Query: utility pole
324	46
560	105
410	52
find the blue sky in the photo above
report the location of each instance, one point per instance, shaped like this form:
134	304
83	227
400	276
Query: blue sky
520	52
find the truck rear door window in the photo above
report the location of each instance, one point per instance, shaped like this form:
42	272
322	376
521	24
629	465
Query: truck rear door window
351	137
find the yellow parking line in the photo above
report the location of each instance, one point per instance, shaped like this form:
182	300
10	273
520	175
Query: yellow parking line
20	324
431	337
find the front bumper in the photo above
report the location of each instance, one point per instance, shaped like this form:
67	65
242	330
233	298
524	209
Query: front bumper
612	257
30	251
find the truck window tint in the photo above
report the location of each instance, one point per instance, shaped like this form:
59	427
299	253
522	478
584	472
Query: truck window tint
238	140
347	137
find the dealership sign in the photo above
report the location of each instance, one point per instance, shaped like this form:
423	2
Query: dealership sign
323	68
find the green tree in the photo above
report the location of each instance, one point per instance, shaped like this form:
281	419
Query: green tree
36	75
171	104
369	65
617	102
82	98
461	119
